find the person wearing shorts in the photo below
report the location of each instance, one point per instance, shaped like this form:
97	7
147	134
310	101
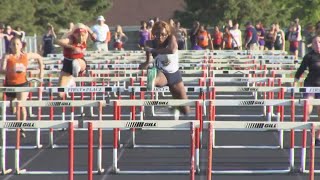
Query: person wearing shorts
164	49
311	61
14	67
74	45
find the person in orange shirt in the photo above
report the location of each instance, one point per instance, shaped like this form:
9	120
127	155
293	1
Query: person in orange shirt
14	67
227	39
204	38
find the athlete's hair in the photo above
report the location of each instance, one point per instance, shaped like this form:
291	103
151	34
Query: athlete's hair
14	39
161	25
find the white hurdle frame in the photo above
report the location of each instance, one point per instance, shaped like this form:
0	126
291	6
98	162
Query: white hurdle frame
163	102
255	126
106	125
152	125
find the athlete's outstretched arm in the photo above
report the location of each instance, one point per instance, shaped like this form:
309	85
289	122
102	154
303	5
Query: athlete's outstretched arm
38	58
4	60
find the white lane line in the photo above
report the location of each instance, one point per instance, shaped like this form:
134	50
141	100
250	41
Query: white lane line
106	176
33	158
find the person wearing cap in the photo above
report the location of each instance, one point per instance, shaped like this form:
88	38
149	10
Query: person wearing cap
74	44
103	34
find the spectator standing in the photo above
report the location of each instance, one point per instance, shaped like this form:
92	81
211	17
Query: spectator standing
47	46
181	34
102	32
280	40
119	39
204	38
227	39
308	34
193	33
261	34
270	38
144	35
251	37
237	36
293	39
217	38
8	35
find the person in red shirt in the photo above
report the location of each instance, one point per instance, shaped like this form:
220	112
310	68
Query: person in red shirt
14	67
74	45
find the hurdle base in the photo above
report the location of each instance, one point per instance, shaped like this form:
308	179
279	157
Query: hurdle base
153	172
20	171
283	171
56	172
246	147
83	146
24	147
100	171
316	171
6	171
160	146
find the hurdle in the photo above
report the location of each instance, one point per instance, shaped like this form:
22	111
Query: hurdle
48	125
259	126
152	125
57	103
163	102
95	125
197	89
4	170
251	103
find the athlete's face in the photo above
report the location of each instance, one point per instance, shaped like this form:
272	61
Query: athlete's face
316	44
16	45
81	36
161	35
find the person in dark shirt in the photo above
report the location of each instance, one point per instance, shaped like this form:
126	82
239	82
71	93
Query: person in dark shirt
311	61
251	37
47	46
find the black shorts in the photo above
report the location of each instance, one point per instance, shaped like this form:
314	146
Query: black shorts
13	94
67	65
173	78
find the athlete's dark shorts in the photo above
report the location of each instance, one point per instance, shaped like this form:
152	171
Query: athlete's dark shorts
173	78
314	95
67	65
217	46
13	94
307	95
294	46
269	45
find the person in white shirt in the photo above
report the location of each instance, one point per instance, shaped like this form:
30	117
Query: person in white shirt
102	34
237	40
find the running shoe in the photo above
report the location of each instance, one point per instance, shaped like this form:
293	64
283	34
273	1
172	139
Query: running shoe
152	74
176	113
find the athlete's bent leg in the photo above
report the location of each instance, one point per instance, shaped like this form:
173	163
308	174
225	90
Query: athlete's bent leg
65	80
178	91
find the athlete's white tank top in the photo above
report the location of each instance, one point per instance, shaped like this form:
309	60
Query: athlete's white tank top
168	63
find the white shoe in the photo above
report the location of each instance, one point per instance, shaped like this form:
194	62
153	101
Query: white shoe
176	114
75	68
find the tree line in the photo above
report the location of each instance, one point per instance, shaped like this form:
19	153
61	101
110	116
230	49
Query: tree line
217	12
34	15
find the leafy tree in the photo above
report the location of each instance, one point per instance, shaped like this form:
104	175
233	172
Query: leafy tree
33	15
216	12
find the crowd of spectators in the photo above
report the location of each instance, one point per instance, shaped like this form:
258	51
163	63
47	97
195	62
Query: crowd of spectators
200	36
